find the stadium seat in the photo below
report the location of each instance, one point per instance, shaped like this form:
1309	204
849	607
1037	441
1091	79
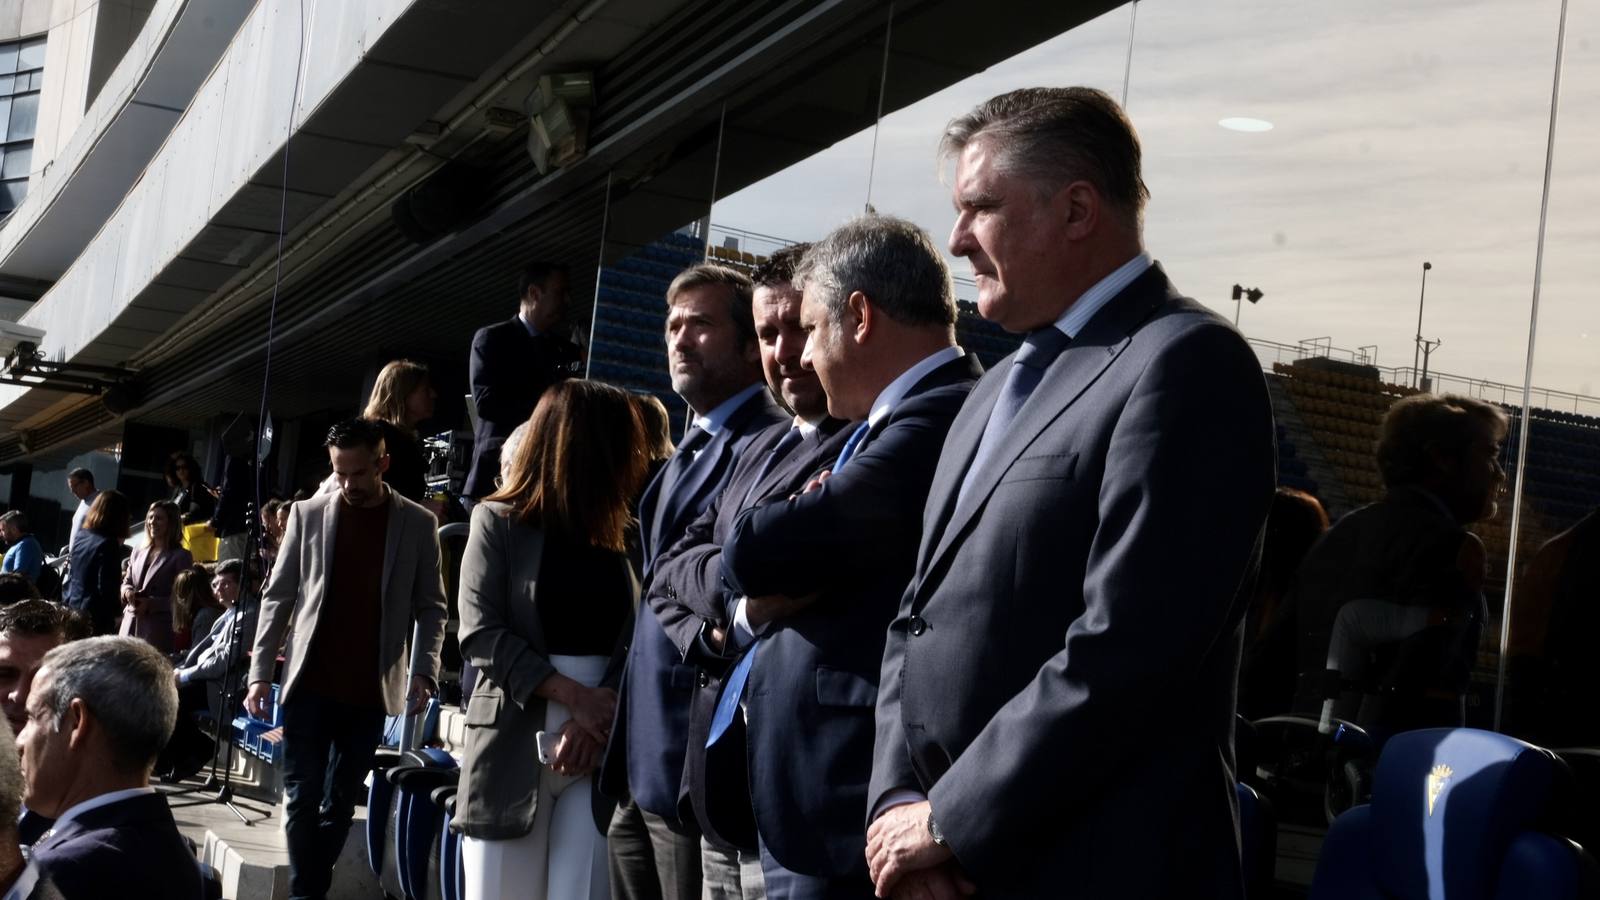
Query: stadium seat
1454	814
380	793
1258	841
451	873
411	827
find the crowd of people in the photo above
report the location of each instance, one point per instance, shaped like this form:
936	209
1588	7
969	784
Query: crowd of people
879	624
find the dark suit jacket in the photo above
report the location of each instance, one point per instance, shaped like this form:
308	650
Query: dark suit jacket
644	757
94	580
1060	677
689	594
811	690
509	371
130	849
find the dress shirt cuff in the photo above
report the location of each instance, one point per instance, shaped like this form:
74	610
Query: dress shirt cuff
743	633
897	797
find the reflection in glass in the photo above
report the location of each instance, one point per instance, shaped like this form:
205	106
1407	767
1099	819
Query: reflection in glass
31	55
17	160
8	58
24	117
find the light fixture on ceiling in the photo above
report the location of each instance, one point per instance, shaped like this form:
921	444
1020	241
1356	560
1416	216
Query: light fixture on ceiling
1244	123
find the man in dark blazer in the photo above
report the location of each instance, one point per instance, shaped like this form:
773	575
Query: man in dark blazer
1056	717
689	596
821	573
513	362
99	713
716	367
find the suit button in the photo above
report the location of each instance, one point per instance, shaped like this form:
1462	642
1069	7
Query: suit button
918	625
702	679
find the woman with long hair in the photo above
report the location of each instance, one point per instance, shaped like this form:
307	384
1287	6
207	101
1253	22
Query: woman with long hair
194	607
95	578
547	599
147	589
193	497
402	398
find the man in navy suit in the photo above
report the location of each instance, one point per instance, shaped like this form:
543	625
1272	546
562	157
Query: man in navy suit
100	711
1057	709
819	575
688	592
513	362
716	368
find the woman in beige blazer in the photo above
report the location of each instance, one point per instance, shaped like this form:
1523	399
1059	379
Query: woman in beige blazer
547	599
147	588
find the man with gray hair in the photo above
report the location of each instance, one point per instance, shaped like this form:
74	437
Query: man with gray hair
1089	547
820	574
99	713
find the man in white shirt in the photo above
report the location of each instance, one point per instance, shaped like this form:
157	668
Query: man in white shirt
81	483
99	712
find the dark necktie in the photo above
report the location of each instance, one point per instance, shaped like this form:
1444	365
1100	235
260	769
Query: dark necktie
780	451
733	687
693	440
1039	349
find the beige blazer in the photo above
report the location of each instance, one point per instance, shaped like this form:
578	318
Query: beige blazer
412	591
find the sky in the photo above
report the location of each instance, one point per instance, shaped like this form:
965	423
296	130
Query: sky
1402	133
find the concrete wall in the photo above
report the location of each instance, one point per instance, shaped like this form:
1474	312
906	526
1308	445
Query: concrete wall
86	40
26	18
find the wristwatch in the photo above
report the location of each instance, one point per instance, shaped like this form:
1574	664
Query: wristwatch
935	833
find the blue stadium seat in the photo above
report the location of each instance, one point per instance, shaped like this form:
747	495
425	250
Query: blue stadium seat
452	873
380	793
411	827
1454	814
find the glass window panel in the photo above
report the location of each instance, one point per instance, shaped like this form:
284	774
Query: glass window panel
11	193
5	117
24	117
18	158
31	55
7	85
36	80
8	58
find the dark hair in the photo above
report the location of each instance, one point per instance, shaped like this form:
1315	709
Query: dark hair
191	592
893	262
109	515
81	474
174	523
537	274
18	520
1054	136
352	433
15	588
1294	522
234	567
779	267
270	508
739	290
1421	423
657	425
38	618
580	465
185	460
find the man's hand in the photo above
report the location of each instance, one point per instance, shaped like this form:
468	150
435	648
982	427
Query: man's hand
255	702
716	638
577	752
421	693
899	843
815	484
593	709
761	610
938	883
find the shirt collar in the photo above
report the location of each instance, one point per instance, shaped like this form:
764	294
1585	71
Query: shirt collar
1084	308
712	422
94	803
901	386
532	331
807	429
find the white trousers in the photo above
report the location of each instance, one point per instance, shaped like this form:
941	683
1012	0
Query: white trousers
564	856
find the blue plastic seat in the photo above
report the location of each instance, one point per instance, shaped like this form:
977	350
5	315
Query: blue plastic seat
1455	813
416	821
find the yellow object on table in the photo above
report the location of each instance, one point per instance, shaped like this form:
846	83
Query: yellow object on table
201	541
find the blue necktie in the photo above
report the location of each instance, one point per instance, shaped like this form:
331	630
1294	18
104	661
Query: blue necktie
1039	349
733	687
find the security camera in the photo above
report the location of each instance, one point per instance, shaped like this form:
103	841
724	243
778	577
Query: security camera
13	335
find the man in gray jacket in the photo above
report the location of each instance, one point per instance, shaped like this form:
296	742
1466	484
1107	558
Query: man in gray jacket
355	568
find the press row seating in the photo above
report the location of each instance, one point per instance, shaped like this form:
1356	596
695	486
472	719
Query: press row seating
262	737
410	847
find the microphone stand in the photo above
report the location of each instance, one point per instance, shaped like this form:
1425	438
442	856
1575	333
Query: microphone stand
223	786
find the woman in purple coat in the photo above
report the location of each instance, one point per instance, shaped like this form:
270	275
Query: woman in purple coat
147	588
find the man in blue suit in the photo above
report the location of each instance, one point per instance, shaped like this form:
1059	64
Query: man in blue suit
1056	717
819	575
716	368
99	712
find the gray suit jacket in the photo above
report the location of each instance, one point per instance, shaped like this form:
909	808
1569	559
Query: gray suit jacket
503	635
1060	678
412	590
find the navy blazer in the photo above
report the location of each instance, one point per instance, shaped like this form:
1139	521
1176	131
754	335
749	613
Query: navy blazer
94	580
130	849
1060	677
644	758
690	594
509	371
811	690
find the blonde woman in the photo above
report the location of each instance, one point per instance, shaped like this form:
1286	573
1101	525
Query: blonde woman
147	588
402	398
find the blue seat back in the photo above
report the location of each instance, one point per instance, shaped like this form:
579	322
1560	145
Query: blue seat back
1449	807
418	822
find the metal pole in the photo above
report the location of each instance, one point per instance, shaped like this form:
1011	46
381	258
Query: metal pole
599	271
1420	297
877	123
716	167
1527	377
1127	68
1238	304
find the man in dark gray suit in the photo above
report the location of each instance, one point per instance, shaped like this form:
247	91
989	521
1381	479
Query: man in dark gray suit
716	368
1057	701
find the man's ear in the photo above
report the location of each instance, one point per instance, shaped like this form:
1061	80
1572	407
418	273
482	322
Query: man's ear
77	724
383	463
1080	204
859	316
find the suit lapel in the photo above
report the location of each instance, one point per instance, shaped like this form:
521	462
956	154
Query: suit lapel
330	526
1092	352
712	459
391	547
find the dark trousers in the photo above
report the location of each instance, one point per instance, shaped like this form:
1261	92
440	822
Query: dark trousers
652	858
327	752
783	884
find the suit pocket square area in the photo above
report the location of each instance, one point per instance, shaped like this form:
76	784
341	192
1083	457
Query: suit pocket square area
1042	467
836	687
484	707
